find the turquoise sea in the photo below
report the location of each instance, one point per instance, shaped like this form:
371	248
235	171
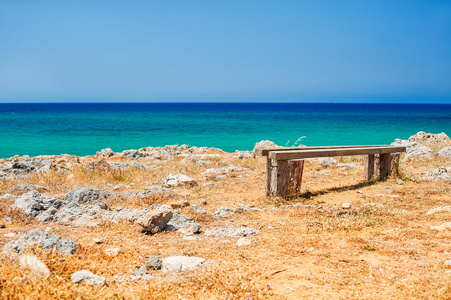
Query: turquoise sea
84	128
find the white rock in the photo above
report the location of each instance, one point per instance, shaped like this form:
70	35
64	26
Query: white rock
182	263
85	276
346	205
241	242
112	251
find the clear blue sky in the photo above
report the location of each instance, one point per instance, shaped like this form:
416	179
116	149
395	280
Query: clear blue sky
225	50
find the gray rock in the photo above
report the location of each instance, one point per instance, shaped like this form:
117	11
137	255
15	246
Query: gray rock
263	145
180	221
241	209
141	271
85	276
197	209
180	179
246	154
399	181
154	263
439	174
46	241
122	165
414	149
131	154
105	152
223	212
26	187
156	220
86	195
182	263
445	152
231	232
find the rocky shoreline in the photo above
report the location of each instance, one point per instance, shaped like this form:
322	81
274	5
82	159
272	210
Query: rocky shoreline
92	206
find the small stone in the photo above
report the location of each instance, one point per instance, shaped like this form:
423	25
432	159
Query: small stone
11	234
241	242
112	251
346	205
154	263
447	262
97	241
421	264
141	271
201	203
148	277
87	277
2	225
399	181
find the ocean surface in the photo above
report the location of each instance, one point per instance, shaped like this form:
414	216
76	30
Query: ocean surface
85	128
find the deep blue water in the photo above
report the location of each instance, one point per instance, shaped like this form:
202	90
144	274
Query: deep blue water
84	128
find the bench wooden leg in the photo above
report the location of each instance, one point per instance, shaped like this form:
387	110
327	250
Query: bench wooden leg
394	162
384	166
284	178
369	167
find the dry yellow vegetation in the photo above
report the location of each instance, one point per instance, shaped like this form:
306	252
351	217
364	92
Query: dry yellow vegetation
381	247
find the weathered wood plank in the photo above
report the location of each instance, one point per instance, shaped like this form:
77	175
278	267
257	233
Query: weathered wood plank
309	153
369	167
284	178
264	152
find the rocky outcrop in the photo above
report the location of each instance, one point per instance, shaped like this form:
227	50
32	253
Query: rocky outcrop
43	239
85	196
414	149
434	141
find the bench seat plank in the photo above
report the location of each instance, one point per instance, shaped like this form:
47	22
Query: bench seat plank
303	153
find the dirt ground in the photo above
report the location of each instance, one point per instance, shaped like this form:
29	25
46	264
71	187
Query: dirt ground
307	248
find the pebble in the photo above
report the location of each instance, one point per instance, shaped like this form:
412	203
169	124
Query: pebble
2	225
241	242
447	262
399	181
421	264
112	251
346	205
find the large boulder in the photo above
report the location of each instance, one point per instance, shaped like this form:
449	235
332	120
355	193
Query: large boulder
156	220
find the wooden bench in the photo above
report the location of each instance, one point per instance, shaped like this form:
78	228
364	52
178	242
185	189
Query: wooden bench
285	165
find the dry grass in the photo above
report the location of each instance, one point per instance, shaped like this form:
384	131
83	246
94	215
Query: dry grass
382	247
